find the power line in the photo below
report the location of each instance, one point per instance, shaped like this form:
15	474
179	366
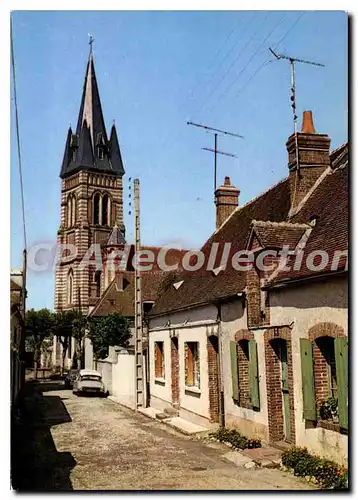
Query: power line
248	62
269	60
211	63
18	137
223	60
233	63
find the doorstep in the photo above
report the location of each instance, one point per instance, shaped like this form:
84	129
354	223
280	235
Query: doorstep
178	423
184	426
265	456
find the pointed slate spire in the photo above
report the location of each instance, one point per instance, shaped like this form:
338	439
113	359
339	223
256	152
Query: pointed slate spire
85	152
116	238
66	155
115	152
89	147
91	109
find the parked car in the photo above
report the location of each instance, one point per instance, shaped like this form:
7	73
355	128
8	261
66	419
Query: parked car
70	378
89	382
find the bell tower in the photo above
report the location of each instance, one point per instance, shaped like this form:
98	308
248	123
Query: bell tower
91	198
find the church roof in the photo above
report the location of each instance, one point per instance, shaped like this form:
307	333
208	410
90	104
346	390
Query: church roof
116	237
89	148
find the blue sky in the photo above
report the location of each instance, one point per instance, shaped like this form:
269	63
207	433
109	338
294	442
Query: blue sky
156	71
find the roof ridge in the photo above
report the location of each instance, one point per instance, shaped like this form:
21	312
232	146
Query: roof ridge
245	205
282	223
100	300
342	146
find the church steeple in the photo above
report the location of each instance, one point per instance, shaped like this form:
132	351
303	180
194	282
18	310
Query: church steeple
89	148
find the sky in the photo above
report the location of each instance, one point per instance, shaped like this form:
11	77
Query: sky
156	70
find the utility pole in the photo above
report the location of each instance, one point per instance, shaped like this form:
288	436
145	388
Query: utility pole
293	93
138	345
215	150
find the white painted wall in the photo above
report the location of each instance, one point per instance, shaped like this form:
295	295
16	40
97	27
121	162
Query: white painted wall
191	326
123	378
252	423
306	305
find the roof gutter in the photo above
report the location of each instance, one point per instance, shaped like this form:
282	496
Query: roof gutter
288	282
226	298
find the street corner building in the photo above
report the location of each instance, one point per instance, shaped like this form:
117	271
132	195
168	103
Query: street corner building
266	350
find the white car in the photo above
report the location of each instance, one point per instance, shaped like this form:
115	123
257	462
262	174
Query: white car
89	382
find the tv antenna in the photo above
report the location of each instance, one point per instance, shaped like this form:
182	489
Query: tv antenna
293	91
215	150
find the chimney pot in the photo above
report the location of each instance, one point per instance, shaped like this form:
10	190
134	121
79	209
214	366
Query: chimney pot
227	181
313	155
307	123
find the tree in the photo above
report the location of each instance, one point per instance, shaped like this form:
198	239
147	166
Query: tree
39	325
106	331
63	329
80	323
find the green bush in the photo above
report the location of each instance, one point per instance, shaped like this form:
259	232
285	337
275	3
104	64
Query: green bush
328	474
234	437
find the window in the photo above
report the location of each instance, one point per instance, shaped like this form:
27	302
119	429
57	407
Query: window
105	210
245	374
73	210
69	211
328	362
159	360
100	153
96	205
70	287
324	368
192	364
97	278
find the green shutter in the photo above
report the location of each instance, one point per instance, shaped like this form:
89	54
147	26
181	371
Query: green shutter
234	372
254	375
341	354
309	397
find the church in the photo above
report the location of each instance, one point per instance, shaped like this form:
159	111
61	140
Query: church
92	214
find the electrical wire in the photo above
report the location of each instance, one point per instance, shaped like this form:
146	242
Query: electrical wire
269	60
224	59
18	139
198	84
248	62
235	60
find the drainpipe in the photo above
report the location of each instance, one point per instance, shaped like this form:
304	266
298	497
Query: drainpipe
221	375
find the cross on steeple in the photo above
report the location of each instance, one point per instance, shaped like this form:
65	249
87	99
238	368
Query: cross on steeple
91	40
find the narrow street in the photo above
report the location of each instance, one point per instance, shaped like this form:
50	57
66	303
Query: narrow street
76	443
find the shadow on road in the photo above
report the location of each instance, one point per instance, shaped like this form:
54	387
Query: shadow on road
36	465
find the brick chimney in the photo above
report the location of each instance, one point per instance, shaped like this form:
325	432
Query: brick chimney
313	154
226	200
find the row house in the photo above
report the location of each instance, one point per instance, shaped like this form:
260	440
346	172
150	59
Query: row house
261	343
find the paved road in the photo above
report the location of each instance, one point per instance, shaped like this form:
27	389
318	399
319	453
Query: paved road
100	445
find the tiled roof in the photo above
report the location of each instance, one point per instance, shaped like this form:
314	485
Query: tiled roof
118	297
14	287
116	237
329	207
114	299
277	235
328	204
203	286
